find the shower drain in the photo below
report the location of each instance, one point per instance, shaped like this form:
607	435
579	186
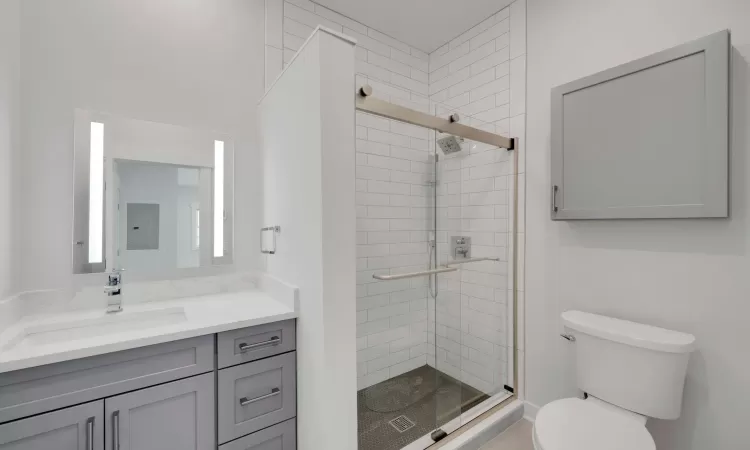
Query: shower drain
402	423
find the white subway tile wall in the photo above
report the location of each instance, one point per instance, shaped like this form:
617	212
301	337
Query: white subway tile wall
467	331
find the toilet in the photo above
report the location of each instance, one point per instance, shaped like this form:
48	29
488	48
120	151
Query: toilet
629	372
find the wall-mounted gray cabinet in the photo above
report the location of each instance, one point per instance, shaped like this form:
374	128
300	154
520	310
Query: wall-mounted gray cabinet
647	139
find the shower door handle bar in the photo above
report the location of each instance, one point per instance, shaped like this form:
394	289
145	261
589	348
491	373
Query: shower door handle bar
444	269
470	260
402	276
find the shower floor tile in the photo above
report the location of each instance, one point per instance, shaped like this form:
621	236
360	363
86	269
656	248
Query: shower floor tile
431	400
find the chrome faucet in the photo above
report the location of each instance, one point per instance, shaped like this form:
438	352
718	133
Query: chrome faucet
113	289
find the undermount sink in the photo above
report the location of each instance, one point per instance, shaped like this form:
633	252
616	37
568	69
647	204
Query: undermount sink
54	332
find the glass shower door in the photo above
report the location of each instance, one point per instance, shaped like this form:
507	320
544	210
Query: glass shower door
432	350
470	327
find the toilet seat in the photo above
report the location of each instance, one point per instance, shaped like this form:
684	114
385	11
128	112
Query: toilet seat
575	424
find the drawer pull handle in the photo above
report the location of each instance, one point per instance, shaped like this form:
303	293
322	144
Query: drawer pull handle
90	433
273	341
116	430
244	401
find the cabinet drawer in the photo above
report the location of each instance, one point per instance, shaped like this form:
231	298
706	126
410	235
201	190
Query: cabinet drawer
278	437
40	389
249	344
257	395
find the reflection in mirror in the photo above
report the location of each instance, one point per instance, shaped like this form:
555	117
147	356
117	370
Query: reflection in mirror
150	197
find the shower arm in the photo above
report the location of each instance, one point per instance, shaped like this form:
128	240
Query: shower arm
446	268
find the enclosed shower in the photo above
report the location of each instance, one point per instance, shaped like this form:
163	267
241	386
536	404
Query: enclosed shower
435	272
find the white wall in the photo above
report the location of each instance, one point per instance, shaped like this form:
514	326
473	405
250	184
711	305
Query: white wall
393	194
688	275
9	139
307	125
481	75
155	61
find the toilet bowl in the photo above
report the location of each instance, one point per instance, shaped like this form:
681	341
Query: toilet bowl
629	371
575	424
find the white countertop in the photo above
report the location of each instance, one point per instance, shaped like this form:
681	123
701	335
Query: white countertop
44	339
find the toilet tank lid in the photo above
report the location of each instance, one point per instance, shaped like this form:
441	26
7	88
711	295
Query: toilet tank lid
629	333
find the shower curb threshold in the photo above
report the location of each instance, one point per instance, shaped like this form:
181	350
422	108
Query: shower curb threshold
485	429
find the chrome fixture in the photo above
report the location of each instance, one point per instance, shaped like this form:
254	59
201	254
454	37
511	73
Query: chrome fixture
569	337
450	144
365	91
244	347
113	289
460	247
244	401
445	268
401	276
116	430
454	118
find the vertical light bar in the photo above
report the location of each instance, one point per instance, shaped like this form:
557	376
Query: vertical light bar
218	199
96	193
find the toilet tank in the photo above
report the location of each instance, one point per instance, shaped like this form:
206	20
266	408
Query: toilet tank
634	366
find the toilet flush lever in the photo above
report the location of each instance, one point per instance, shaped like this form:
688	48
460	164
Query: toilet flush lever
569	337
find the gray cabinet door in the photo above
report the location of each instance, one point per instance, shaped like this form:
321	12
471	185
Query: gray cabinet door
77	428
175	416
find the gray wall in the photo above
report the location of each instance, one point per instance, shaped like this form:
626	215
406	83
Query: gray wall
9	73
689	275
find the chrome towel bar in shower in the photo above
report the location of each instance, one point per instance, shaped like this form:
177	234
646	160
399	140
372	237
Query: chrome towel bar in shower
470	260
401	276
444	269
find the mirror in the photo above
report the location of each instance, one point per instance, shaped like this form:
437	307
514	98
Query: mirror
150	197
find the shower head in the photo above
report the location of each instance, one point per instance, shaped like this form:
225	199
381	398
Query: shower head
450	144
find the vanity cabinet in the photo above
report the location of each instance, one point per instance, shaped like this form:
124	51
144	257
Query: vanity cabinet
76	428
177	416
161	397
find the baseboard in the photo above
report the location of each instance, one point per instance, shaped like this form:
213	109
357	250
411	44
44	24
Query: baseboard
529	411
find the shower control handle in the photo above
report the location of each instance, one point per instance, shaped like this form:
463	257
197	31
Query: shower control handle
460	247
